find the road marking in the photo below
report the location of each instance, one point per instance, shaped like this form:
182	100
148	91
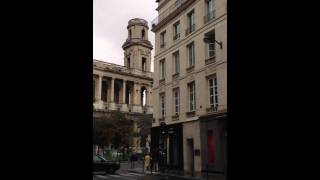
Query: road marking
114	175
127	175
136	174
100	176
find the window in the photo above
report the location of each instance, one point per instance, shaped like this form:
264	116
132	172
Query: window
104	90
128	62
210	50
213	91
176	31
162	69
142	34
191	25
210	10
191	55
176	63
210	47
192	97
163	39
144	68
162	106
176	101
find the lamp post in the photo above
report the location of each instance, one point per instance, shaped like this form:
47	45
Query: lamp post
162	136
171	133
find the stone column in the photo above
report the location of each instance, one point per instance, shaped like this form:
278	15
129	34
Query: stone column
112	105
112	90
99	87
124	105
124	92
136	98
98	103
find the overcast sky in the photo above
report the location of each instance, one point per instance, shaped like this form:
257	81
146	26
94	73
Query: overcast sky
110	20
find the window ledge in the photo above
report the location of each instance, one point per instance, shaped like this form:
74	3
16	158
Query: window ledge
175	117
175	75
191	113
161	119
210	60
161	81
212	109
190	69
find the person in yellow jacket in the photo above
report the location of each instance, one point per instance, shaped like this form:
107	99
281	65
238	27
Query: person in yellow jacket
147	162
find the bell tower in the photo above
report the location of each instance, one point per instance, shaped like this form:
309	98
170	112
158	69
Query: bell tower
137	48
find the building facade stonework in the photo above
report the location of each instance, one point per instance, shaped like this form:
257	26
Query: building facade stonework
190	84
126	88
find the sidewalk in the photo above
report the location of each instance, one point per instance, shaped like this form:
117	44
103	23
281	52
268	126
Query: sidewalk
181	174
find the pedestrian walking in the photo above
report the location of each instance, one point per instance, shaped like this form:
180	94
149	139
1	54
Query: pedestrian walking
155	155
132	159
147	162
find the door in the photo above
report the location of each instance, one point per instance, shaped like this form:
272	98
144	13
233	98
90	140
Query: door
191	154
211	148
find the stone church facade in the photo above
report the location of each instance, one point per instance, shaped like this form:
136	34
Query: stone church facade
126	88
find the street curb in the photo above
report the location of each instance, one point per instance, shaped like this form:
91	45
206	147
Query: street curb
166	174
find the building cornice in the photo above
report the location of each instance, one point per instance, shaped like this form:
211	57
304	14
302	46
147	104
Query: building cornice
219	114
162	4
172	15
123	73
130	42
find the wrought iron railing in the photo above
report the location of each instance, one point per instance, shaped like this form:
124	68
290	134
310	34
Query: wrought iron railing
190	29
176	37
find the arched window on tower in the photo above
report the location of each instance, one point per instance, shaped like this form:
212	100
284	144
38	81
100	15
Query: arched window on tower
130	34
144	67
142	34
128	62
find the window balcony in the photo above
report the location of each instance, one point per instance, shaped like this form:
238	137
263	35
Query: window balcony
163	45
175	75
190	69
190	29
161	119
176	37
175	117
162	81
191	114
213	109
210	60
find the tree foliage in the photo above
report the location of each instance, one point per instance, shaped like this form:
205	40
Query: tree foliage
113	129
144	125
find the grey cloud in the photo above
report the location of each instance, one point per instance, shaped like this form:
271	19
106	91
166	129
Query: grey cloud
110	19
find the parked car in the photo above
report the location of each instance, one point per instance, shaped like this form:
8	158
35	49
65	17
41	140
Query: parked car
100	164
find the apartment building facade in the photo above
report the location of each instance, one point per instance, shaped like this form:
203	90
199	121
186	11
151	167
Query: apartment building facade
190	84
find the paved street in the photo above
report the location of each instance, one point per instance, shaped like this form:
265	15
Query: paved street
124	174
